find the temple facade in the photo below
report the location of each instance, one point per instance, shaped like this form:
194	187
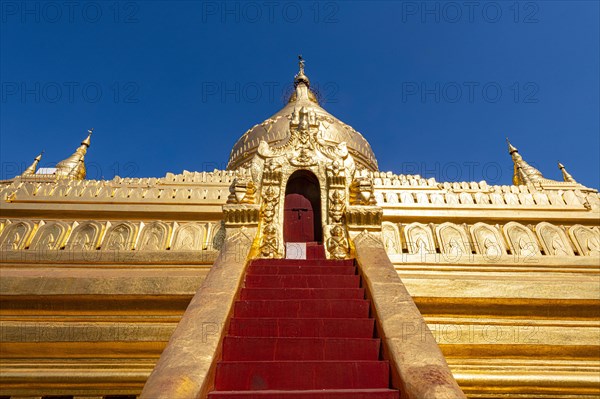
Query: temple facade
476	290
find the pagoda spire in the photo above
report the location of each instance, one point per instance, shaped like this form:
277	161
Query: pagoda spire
74	166
300	76
33	167
523	172
566	175
302	89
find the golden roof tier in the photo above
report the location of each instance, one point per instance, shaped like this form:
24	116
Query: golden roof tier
275	130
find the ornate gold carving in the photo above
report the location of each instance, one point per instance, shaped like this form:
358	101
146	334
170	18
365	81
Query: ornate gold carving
521	240
363	217
391	238
337	243
241	191
271	196
86	236
586	240
488	240
553	239
154	236
50	236
241	214
120	237
361	190
337	206
17	235
418	238
453	240
305	146
269	247
189	237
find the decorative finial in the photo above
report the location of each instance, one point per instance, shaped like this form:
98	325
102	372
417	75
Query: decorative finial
74	166
33	167
511	148
566	175
523	172
87	140
300	76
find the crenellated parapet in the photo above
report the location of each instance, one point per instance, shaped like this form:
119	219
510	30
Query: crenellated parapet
479	194
188	187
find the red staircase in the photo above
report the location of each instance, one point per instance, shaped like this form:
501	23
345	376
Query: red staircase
301	330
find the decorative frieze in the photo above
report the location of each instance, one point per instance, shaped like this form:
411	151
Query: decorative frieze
492	241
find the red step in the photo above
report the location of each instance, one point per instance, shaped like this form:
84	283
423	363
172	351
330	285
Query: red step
302	327
315	251
301	262
302	281
301	330
298	269
309	394
302	293
301	375
303	308
279	348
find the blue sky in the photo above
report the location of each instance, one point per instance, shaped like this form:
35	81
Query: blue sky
435	87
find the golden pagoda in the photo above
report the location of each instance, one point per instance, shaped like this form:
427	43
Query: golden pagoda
131	287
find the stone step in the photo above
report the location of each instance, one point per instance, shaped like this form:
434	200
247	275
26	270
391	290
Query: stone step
301	375
302	293
282	348
302	281
303	308
302	327
309	394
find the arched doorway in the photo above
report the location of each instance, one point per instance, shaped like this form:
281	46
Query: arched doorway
302	208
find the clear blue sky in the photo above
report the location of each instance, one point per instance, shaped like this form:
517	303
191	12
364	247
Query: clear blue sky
434	86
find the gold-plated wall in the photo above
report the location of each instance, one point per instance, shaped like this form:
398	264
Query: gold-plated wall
94	277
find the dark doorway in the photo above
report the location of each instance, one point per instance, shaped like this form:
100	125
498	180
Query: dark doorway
302	208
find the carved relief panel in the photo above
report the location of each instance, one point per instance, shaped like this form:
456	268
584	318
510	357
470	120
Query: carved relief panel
120	236
50	236
521	240
586	240
154	237
419	238
391	238
453	240
86	236
553	239
17	235
189	237
487	240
